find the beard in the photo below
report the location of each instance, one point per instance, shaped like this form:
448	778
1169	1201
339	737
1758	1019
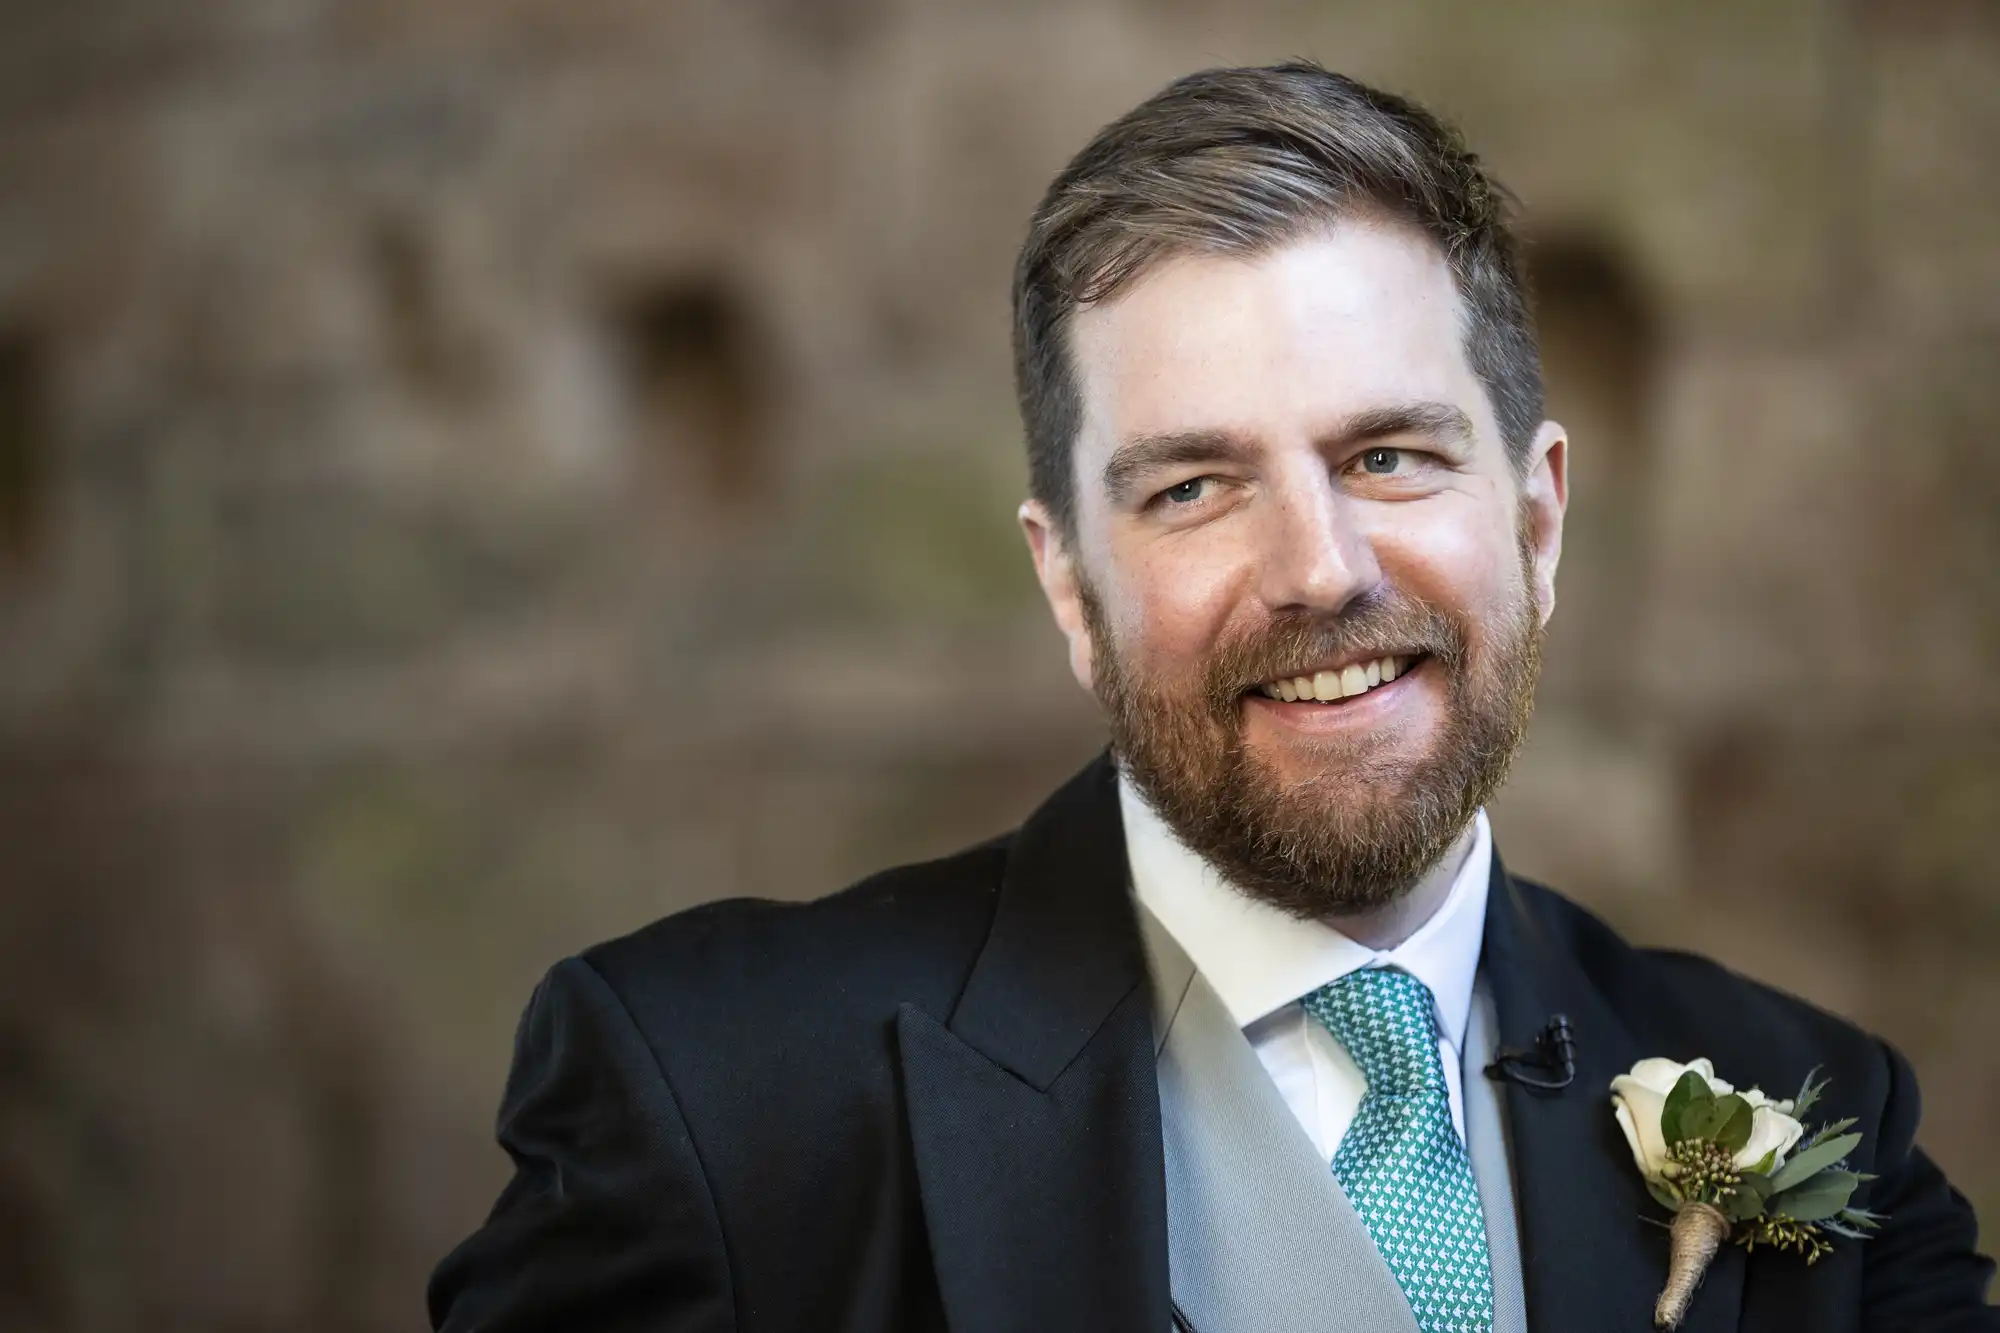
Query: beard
1361	831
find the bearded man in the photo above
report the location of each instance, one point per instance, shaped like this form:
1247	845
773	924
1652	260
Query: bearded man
1246	1028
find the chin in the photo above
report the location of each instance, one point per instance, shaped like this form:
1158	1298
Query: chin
1379	764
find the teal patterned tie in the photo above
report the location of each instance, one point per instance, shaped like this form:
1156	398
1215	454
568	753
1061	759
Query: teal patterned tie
1402	1163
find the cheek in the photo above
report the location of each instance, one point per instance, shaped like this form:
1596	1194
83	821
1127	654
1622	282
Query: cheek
1173	600
1462	557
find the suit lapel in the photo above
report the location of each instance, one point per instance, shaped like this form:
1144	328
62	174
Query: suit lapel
1592	1256
1033	1108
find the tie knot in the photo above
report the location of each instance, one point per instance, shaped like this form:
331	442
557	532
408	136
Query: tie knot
1387	1022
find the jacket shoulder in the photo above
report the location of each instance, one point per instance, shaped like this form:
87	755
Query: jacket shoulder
907	934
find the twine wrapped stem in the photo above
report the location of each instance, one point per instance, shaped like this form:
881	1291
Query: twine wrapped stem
1697	1233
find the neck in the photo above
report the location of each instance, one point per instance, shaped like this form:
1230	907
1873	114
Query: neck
1388	926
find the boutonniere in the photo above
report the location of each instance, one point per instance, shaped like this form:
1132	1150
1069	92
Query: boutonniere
1735	1166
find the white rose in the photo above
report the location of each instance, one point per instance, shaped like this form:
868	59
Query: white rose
1641	1095
1757	1098
1773	1131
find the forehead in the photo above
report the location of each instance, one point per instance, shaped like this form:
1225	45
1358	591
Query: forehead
1273	346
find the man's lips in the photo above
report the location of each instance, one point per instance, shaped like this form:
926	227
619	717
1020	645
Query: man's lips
1346	680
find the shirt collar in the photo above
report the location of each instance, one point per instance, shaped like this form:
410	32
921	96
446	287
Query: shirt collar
1259	959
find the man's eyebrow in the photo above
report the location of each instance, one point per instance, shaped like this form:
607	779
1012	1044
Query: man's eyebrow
1146	453
1440	421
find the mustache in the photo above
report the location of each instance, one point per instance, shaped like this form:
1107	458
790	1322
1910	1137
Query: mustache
1292	643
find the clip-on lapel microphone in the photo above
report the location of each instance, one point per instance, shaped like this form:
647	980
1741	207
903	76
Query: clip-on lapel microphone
1549	1066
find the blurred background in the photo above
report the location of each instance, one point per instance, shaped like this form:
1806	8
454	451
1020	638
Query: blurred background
475	477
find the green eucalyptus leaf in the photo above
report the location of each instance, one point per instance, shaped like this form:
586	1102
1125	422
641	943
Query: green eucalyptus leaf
1693	1124
1815	1158
1758	1184
1734	1131
1705	1120
1822	1196
1742	1205
1691	1090
1664	1196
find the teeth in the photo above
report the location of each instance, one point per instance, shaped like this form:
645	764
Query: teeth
1329	686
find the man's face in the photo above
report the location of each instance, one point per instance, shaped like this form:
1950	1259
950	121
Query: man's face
1288	475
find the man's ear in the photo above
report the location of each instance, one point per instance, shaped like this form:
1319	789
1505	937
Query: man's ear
1055	567
1544	497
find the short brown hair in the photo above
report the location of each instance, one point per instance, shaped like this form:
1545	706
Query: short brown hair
1239	161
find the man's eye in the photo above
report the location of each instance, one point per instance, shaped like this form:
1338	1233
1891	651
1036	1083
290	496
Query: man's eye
1381	462
1186	492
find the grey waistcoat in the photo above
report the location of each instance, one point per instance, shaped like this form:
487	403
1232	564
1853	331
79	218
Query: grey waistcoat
1260	1237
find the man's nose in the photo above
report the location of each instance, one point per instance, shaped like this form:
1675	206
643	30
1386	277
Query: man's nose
1317	559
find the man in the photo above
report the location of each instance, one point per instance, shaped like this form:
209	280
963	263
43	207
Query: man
1246	1028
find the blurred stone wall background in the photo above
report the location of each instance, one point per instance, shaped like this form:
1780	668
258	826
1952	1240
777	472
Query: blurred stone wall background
476	477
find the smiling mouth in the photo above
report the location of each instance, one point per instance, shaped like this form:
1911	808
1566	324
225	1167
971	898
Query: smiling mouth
1334	684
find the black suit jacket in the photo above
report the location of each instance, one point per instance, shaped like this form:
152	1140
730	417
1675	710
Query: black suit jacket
929	1102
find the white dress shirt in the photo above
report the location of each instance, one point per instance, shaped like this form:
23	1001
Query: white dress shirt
1260	961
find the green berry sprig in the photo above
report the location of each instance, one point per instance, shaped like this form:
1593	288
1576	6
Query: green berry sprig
1702	1171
